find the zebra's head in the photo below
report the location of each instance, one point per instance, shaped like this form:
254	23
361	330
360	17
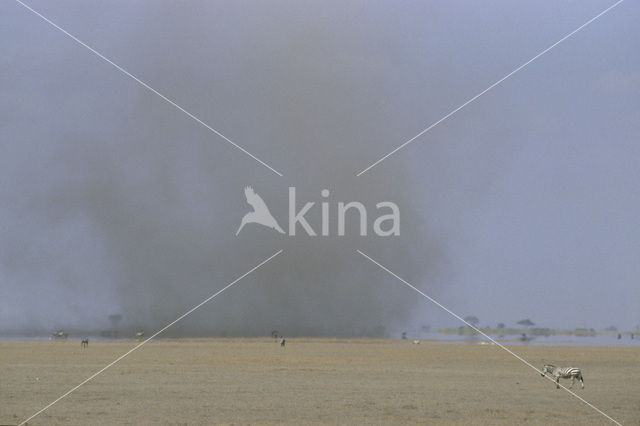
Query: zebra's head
547	368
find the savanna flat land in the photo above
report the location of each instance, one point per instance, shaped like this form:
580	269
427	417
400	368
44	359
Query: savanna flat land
310	381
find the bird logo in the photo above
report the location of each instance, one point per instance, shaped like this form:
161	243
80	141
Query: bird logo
260	214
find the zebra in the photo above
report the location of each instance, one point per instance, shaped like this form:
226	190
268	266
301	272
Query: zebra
60	334
84	343
139	335
572	373
282	342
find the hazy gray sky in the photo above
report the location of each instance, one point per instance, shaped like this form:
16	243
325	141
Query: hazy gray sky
523	204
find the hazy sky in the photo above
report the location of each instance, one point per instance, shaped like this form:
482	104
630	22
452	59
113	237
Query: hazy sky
524	204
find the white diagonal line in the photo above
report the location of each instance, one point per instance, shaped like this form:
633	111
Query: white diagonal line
491	87
484	334
146	86
154	335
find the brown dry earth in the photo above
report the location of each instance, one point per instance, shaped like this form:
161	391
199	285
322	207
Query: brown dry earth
311	381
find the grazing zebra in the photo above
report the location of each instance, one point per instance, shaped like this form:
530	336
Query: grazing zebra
84	343
282	342
572	373
139	335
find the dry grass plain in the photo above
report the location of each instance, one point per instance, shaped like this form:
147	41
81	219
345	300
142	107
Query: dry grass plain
311	381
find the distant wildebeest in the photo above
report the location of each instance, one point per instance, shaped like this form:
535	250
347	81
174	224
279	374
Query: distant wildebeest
60	334
139	335
84	343
572	373
282	342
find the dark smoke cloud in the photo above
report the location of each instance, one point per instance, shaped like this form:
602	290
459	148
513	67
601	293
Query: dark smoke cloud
114	202
131	207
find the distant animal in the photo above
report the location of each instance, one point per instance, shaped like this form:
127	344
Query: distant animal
572	373
60	334
416	342
282	342
525	338
139	335
84	343
260	213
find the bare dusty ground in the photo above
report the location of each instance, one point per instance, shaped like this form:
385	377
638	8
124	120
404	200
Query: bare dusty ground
214	381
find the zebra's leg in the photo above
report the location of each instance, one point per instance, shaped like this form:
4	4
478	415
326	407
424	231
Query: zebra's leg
573	380
581	380
557	382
